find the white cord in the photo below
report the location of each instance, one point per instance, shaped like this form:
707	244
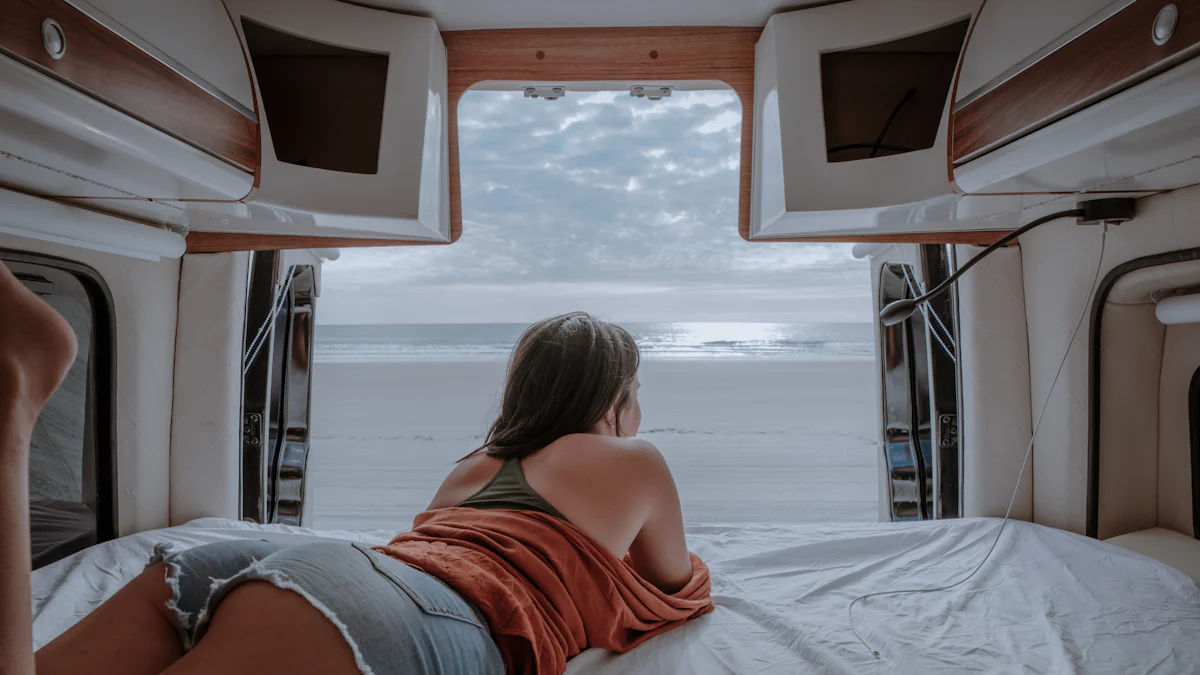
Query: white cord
1028	452
260	338
926	310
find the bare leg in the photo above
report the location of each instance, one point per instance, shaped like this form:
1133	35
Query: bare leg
130	634
36	349
259	628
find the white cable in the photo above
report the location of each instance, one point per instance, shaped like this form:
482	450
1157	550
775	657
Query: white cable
262	327
1028	452
260	338
917	290
926	310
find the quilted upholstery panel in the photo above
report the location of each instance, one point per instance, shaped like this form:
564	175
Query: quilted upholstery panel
206	427
1181	358
1131	344
994	362
1059	261
145	298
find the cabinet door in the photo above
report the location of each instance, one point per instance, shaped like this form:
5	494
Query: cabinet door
194	37
352	110
1107	106
1010	32
851	113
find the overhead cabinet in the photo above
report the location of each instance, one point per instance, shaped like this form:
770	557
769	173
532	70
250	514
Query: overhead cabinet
91	110
195	37
852	110
96	115
272	117
1110	105
913	116
353	120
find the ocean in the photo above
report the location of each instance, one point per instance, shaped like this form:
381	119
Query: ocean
488	341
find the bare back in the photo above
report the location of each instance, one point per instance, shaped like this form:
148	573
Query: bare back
619	491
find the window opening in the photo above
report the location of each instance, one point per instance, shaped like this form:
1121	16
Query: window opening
758	374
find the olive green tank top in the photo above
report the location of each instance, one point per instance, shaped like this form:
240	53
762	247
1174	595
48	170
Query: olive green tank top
508	490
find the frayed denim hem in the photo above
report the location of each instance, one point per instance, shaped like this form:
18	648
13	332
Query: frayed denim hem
190	634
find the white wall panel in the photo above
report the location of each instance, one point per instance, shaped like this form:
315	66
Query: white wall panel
206	420
1059	261
1131	348
1181	358
995	421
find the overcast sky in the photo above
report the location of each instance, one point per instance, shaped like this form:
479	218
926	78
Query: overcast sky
598	201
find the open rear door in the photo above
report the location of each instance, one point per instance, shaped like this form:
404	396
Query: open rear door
919	400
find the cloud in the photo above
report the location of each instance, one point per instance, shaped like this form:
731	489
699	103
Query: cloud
580	202
728	119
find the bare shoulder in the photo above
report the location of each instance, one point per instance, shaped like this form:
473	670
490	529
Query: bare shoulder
610	445
472	468
626	453
465	479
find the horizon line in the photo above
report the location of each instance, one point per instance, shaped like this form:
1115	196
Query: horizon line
525	323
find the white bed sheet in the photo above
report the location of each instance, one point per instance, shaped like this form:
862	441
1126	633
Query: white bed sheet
1046	602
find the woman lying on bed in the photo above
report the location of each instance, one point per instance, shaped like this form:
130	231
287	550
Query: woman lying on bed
562	532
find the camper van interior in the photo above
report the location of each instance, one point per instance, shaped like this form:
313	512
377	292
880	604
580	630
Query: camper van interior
1020	178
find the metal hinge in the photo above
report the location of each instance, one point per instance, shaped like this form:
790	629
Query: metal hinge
947	431
252	429
653	92
550	93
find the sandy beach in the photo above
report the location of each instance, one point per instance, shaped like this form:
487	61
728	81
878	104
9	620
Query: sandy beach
748	440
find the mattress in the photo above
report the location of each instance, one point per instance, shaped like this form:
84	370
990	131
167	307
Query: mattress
1173	548
1047	601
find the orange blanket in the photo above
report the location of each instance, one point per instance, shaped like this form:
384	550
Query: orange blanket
547	589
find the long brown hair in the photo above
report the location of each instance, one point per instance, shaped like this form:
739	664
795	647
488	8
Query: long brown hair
564	375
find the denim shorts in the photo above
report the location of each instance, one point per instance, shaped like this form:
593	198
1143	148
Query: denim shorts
395	618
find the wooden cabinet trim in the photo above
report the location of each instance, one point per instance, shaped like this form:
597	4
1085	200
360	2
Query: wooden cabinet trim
962	55
1114	55
974	237
645	54
106	66
222	242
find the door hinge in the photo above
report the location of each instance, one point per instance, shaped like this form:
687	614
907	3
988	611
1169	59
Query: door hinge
549	92
947	431
252	429
654	92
